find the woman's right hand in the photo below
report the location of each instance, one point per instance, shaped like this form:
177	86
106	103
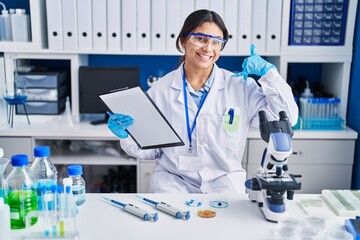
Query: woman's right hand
118	123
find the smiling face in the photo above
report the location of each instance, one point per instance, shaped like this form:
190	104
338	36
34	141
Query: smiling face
202	58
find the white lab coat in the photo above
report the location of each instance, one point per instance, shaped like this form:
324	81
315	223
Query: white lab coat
215	163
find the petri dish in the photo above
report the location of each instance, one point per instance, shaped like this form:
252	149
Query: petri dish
284	233
206	213
316	223
218	203
289	222
308	233
338	235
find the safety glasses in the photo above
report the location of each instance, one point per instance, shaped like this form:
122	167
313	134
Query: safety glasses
201	40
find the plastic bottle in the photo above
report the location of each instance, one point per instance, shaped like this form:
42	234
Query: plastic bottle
4	220
44	171
307	91
5	26
306	107
20	26
78	183
19	193
67	117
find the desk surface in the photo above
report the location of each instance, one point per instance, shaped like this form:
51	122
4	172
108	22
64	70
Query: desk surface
242	219
57	130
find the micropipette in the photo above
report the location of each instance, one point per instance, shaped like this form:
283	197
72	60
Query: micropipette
168	209
134	210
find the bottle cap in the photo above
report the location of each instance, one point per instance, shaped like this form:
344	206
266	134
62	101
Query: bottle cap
4	12
1	201
67	189
75	170
42	151
60	189
19	160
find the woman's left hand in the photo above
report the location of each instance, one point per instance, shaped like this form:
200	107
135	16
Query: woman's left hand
254	64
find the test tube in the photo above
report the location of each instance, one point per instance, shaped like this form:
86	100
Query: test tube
61	210
331	109
326	114
336	107
53	212
322	107
45	209
316	108
310	106
70	210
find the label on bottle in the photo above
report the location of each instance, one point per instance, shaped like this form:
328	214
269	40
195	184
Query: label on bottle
21	203
14	215
79	194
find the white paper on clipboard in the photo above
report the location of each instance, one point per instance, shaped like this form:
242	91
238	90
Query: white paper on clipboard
150	128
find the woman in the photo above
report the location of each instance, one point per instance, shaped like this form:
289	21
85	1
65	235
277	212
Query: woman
211	109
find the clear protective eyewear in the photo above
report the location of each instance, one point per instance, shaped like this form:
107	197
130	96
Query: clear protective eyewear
201	40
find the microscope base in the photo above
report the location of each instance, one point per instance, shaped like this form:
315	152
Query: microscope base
271	215
260	197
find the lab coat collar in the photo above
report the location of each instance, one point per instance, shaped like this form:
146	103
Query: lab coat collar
218	84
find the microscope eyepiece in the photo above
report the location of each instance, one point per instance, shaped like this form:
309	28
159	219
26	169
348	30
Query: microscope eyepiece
283	116
262	117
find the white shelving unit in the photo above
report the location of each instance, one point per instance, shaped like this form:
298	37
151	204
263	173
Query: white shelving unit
38	31
335	62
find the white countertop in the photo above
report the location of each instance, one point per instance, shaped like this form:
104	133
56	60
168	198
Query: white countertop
242	219
56	129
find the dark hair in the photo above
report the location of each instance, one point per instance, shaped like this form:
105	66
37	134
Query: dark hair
194	20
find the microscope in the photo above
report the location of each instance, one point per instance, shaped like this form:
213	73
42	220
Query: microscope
270	184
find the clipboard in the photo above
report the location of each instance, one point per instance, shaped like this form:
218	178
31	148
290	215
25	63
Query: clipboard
150	128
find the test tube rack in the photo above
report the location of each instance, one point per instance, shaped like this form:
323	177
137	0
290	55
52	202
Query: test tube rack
47	228
321	113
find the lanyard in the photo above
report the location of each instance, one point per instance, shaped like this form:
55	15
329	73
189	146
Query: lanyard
190	131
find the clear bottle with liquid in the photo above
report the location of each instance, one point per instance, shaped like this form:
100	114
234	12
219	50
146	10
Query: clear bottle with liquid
19	192
44	171
306	102
5	26
78	183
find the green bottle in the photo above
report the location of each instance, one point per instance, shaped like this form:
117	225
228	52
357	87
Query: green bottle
19	192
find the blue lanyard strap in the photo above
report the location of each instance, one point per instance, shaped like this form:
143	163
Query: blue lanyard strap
190	131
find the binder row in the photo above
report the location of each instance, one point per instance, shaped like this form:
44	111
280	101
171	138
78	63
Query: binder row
153	25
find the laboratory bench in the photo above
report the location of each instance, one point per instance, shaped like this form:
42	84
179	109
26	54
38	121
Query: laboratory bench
54	126
324	158
241	219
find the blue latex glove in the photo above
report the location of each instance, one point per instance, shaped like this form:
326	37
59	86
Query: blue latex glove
254	65
118	123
